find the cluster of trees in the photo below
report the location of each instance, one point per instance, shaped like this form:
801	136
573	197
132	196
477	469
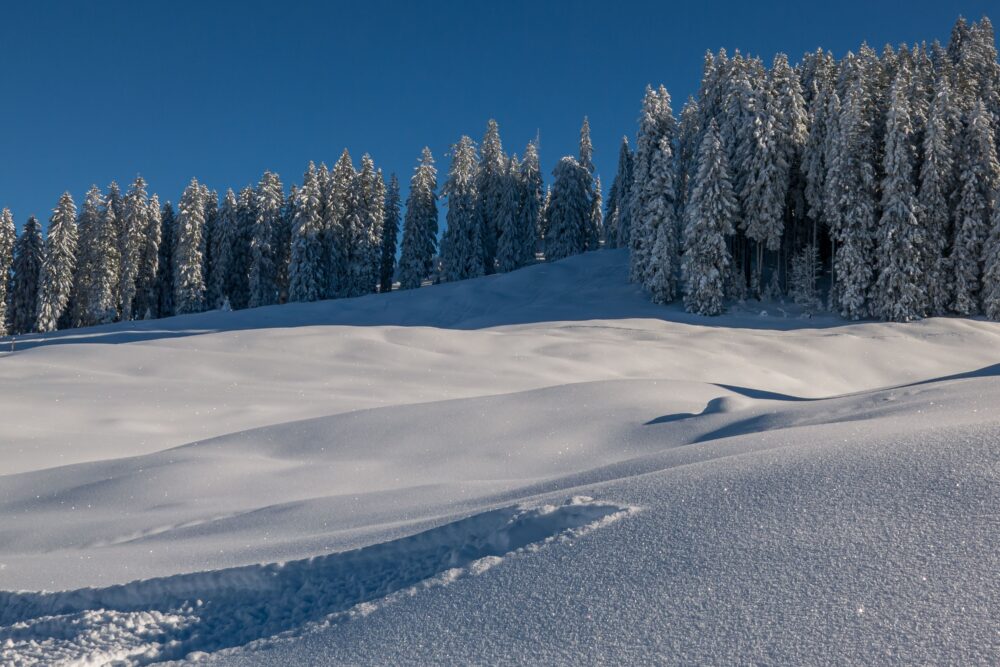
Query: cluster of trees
873	179
124	256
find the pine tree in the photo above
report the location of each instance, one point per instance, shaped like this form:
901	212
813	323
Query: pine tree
188	261
360	233
510	250
58	263
532	201
936	194
461	247
165	262
211	242
337	205
390	234
283	243
568	211
655	124
660	224
28	254
136	208
979	176
489	188
269	198
98	269
595	227
420	225
616	217
8	238
687	156
710	215
246	221
899	293
586	147
306	269
226	279
147	302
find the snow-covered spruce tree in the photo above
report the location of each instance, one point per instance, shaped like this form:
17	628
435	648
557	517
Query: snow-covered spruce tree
489	190
991	269
305	273
978	177
211	240
710	216
420	225
226	279
269	198
568	211
814	158
361	228
246	220
58	263
660	223
532	201
461	247
283	243
133	227
98	263
28	253
899	292
8	237
616	215
390	234
656	122
764	190
738	119
935	196
853	180
338	193
595	228
188	262
147	291
688	132
165	262
510	251
586	146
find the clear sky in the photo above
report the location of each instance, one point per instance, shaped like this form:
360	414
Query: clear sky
103	90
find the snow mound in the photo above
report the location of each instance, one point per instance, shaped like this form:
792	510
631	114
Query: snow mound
185	615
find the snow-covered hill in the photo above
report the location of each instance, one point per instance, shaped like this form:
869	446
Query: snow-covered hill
535	467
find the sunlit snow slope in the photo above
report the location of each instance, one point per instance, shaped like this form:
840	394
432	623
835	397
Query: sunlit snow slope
536	467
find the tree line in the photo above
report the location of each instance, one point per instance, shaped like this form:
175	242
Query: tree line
126	256
869	184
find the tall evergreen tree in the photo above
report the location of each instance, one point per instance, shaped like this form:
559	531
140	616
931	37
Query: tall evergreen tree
8	237
269	198
616	216
165	262
586	147
710	216
489	189
979	176
147	299
510	250
136	209
656	123
568	211
306	269
338	203
98	269
390	235
188	261
420	225
28	254
58	263
900	294
660	225
226	278
246	221
461	247
361	231
595	227
532	202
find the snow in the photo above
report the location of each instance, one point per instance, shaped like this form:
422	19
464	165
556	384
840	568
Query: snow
535	467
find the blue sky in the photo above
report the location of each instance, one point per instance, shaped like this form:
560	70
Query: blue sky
91	92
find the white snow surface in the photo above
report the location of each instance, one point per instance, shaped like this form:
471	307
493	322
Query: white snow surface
538	467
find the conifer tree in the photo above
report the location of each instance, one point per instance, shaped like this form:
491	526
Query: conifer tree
991	269
710	215
390	234
360	234
688	135
338	203
98	269
420	225
586	147
660	224
246	221
595	227
8	238
532	201
489	188
655	124
461	247
136	208
147	299
28	255
900	294
226	279
165	262
269	198
978	177
510	250
58	264
568	211
616	218
306	269
188	261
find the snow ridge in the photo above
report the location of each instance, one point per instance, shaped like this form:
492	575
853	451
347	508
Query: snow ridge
172	617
